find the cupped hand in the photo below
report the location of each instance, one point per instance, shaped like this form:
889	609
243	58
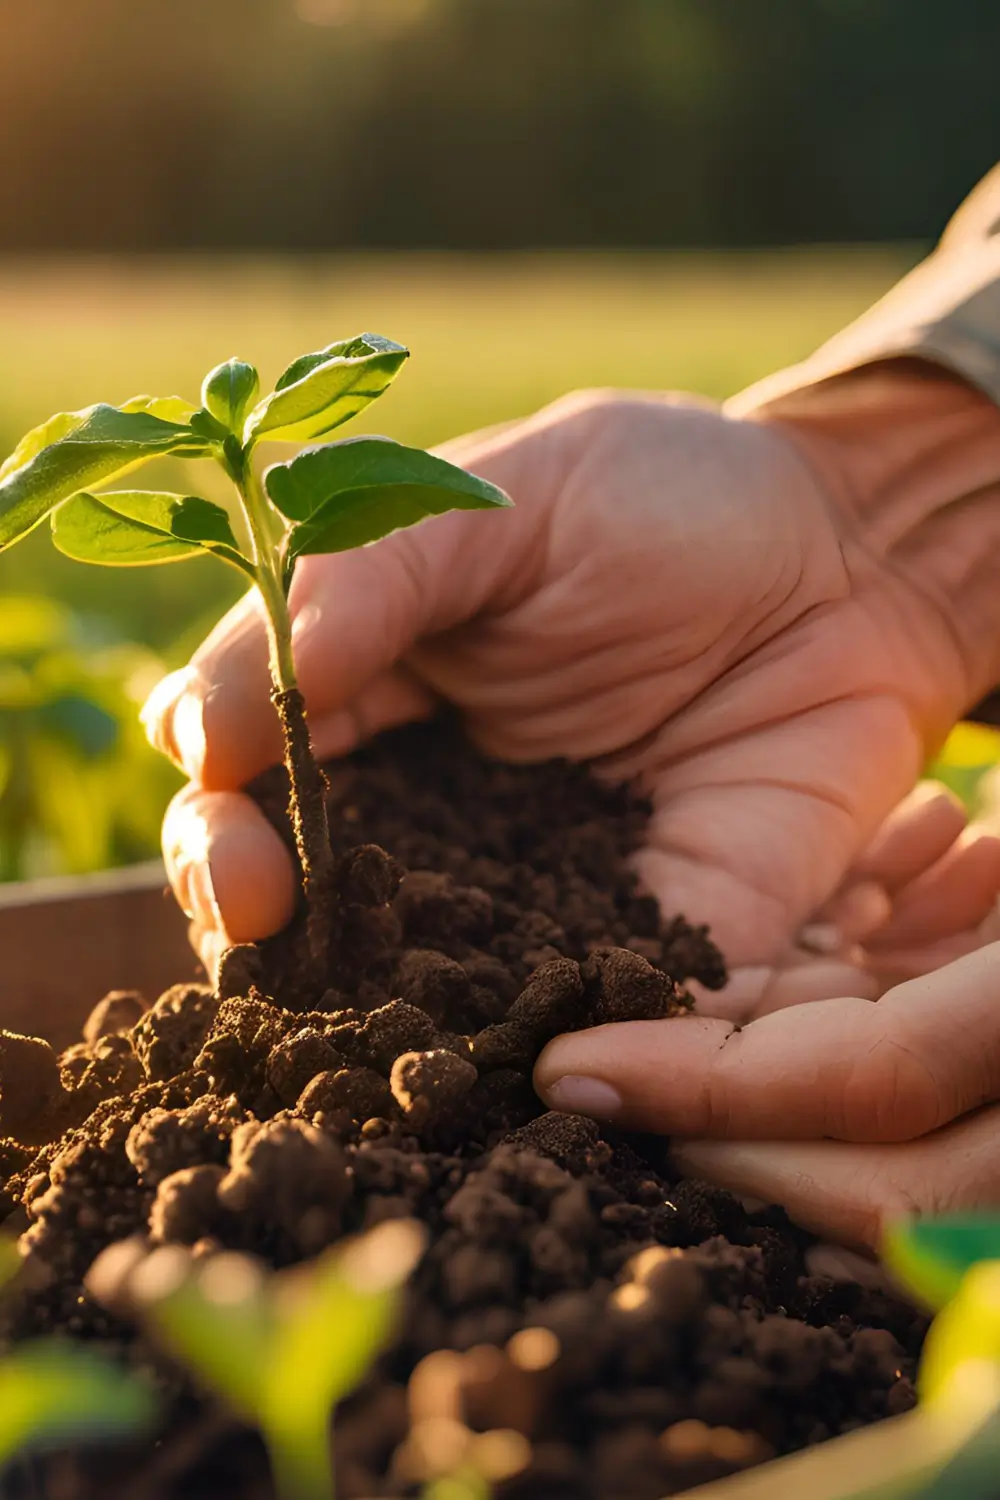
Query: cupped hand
848	1114
697	600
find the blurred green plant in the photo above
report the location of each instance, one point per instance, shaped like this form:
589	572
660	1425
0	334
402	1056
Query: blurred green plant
964	763
282	1350
53	1391
80	789
953	1265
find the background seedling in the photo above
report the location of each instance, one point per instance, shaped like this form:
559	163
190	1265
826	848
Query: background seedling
327	499
80	788
281	1350
53	1391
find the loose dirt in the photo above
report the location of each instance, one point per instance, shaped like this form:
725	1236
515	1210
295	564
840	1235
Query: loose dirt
643	1333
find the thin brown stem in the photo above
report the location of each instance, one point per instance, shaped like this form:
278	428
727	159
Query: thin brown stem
307	784
307	810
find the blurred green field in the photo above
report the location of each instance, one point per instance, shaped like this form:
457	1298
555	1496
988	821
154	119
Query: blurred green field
492	338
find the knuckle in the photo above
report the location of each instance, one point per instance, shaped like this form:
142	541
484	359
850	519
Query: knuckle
893	1094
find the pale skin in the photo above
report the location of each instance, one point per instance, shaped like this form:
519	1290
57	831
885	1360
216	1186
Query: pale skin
769	616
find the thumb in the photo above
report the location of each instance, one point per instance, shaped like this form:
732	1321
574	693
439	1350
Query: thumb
354	615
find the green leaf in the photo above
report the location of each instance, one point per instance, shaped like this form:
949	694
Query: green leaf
55	1392
218	1323
320	391
335	1317
348	494
965	1337
85	726
77	449
134	528
931	1256
229	391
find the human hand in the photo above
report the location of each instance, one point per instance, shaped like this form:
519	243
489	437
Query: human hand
846	1113
743	613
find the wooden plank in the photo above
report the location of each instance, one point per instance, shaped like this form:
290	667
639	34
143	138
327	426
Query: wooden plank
65	943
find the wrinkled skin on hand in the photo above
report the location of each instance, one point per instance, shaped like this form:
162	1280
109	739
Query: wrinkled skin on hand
707	602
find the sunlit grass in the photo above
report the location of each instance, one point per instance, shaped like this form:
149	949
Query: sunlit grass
492	339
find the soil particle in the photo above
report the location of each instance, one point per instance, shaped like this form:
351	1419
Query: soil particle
118	1011
288	1181
31	1090
636	1333
167	1038
359	1093
427	1085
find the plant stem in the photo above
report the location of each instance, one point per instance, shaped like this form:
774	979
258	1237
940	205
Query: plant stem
302	1465
307	784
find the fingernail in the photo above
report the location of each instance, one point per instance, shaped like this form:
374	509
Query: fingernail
862	909
196	893
821	937
173	719
577	1095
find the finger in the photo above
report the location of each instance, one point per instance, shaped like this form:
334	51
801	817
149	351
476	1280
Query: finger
914	836
955	894
847	1193
754	834
898	965
230	871
354	614
925	1054
848	917
756	991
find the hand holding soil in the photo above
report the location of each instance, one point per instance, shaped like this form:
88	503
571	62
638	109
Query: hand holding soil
767	623
767	619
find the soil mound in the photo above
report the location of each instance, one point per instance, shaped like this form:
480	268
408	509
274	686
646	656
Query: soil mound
642	1333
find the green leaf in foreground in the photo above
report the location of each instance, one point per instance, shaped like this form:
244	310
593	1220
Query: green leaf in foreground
282	1350
932	1256
134	528
54	1392
77	449
348	494
320	391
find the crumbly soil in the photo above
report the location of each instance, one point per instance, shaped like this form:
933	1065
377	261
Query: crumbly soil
644	1334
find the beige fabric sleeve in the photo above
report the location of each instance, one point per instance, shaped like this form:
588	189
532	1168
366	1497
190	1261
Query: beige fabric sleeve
947	311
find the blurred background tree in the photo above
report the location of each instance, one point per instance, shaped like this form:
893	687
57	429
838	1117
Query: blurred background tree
293	124
643	193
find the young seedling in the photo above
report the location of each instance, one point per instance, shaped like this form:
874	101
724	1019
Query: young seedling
328	499
53	1392
281	1350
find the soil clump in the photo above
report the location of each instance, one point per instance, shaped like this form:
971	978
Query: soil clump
641	1333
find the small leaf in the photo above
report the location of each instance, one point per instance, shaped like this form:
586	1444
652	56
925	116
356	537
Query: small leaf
217	1322
348	494
965	1334
931	1256
76	449
229	391
320	391
335	1317
56	1392
134	528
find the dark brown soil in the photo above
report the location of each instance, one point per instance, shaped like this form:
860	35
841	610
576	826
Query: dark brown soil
643	1333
